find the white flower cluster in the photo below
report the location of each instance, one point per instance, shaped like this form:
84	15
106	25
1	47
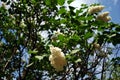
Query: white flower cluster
94	9
57	58
104	17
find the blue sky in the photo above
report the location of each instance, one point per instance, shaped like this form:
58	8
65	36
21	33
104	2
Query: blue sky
113	6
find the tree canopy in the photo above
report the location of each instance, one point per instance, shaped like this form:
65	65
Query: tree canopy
47	40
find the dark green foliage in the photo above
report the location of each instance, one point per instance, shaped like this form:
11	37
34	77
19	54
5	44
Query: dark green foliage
21	26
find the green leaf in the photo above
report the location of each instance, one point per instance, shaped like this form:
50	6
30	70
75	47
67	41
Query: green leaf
71	8
70	57
33	1
40	57
61	2
73	40
78	60
63	20
75	51
89	17
88	35
75	37
61	37
62	10
70	1
82	18
32	51
29	64
78	12
48	2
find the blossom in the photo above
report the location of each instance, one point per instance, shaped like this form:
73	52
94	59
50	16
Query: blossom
57	58
104	14
94	9
108	18
104	17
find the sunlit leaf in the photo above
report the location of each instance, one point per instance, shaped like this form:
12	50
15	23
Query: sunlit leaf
40	57
61	2
78	60
32	51
29	65
75	51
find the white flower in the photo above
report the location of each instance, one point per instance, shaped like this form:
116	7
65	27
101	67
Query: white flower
94	9
105	14
104	17
57	58
108	18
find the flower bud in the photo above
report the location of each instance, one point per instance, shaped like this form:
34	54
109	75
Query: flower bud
96	46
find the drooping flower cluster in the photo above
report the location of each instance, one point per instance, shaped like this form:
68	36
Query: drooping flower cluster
57	58
94	9
104	17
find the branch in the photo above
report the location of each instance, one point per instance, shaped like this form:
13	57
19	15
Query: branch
103	69
14	51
